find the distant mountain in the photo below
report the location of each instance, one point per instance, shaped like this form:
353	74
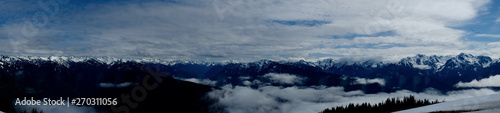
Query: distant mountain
423	62
109	77
56	77
413	73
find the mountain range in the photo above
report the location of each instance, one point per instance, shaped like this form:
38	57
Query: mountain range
99	76
413	73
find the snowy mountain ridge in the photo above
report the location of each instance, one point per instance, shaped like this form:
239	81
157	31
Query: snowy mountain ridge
64	60
419	61
424	62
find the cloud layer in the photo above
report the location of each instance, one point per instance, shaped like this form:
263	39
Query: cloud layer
492	81
369	81
284	78
271	99
202	81
245	30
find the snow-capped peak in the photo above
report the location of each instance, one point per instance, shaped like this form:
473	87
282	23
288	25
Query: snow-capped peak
423	62
468	59
326	63
330	63
263	63
419	61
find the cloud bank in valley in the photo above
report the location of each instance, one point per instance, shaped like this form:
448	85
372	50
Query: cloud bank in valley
284	78
272	99
369	81
202	81
492	81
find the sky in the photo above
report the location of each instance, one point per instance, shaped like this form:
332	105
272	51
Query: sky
240	30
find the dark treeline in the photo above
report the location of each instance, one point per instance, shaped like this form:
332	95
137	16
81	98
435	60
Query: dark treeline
389	105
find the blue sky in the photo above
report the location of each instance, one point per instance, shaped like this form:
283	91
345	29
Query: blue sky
220	30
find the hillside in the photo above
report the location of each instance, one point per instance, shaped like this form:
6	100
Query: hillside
481	104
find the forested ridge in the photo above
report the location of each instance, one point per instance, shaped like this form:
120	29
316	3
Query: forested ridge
389	105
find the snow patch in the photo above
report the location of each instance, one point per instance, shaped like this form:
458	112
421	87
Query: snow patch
485	104
423	67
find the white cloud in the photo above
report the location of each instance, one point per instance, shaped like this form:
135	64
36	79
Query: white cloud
203	81
120	85
369	81
247	83
497	20
271	99
107	85
488	35
491	81
244	77
284	78
125	84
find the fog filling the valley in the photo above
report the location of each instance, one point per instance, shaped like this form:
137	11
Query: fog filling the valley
274	99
